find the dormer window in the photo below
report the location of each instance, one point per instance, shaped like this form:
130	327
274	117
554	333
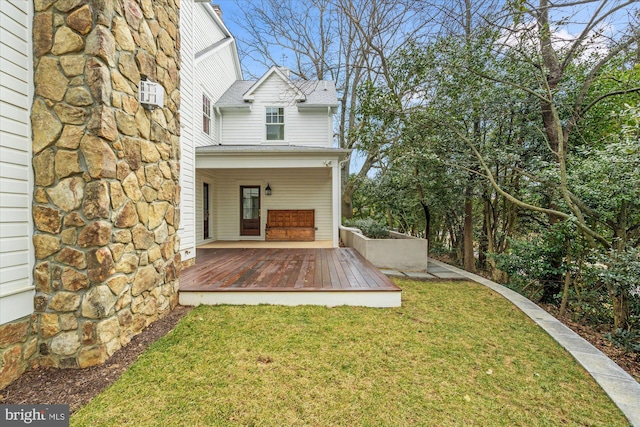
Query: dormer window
206	114
275	124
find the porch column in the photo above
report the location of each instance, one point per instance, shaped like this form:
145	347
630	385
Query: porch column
335	197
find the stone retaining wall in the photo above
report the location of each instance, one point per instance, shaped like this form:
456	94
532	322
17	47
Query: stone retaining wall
106	174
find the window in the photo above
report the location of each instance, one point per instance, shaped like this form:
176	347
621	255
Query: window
206	114
275	124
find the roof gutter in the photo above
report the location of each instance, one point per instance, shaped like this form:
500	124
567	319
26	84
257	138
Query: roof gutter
341	152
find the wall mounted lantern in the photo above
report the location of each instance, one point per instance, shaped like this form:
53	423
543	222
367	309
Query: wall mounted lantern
150	94
267	190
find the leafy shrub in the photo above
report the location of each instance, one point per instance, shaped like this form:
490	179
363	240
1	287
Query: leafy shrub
441	250
627	340
369	227
535	264
618	271
592	307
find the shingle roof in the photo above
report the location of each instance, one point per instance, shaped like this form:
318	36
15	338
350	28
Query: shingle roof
318	92
233	95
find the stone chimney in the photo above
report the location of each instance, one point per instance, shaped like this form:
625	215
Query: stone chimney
106	173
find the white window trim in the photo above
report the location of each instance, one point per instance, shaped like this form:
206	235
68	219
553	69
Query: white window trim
274	141
208	115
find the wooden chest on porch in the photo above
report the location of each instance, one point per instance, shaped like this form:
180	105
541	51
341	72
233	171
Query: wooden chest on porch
294	225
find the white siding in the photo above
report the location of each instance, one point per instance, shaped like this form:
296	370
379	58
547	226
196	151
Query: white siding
274	90
214	75
308	188
311	128
187	122
16	182
207	32
308	128
241	127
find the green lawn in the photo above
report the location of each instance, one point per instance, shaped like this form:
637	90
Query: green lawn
454	354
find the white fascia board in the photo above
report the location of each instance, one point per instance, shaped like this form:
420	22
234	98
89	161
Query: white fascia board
218	21
331	108
246	106
236	61
216	47
262	161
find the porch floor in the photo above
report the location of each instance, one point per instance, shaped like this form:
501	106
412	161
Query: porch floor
337	276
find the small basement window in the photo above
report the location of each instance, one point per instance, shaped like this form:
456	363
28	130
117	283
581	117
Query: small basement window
275	124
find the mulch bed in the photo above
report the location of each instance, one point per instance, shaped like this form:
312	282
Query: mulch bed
76	387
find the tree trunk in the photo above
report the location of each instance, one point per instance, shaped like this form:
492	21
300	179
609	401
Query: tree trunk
467	236
565	293
554	74
486	233
347	198
620	308
350	186
567	283
425	208
427	221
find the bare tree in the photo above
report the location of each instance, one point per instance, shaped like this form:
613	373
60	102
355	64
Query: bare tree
347	41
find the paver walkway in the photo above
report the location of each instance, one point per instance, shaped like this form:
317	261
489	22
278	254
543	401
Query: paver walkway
435	270
623	390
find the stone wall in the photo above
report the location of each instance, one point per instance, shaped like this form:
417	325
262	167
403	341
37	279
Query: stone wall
106	173
18	344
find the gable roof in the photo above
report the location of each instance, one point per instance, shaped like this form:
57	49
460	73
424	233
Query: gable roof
317	93
249	94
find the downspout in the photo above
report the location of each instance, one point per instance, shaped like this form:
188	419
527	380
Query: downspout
219	113
330	137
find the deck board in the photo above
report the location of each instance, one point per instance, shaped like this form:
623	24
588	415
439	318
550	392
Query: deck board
285	270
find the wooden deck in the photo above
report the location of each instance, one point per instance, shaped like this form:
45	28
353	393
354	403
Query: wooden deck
338	276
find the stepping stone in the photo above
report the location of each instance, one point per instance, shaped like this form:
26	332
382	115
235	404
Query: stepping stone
392	273
436	269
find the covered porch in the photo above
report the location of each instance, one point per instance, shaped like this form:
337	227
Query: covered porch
258	193
286	276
